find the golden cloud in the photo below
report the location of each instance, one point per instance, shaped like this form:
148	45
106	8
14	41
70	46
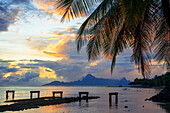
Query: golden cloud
58	48
25	62
70	29
55	54
7	74
54	38
47	73
94	63
46	6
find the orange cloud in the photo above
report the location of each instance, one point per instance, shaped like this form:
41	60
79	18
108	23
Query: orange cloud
94	63
7	74
46	6
54	38
53	20
47	73
58	48
55	54
25	62
70	29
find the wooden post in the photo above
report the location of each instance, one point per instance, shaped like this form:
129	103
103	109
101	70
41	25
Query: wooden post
116	98
87	97
61	95
79	97
13	94
38	93
60	92
110	98
31	95
6	95
10	91
80	93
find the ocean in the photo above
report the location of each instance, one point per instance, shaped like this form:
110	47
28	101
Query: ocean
130	100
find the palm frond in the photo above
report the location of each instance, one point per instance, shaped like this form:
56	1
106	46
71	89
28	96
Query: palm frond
133	11
113	35
162	42
74	8
93	47
119	44
141	49
90	23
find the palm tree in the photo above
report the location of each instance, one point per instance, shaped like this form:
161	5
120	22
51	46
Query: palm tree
114	25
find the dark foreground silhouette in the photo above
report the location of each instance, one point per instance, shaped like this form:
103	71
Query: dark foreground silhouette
23	104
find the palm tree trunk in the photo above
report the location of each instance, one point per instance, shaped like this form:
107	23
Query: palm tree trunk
166	9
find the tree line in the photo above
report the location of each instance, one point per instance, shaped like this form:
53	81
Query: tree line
162	80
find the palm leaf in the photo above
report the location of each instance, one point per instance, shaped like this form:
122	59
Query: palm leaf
162	43
74	8
141	50
91	22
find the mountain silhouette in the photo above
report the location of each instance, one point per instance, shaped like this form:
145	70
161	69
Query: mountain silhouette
90	80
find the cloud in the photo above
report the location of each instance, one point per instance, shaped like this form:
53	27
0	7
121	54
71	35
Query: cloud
47	73
9	11
62	46
32	37
54	38
71	29
56	55
46	6
94	63
7	18
38	72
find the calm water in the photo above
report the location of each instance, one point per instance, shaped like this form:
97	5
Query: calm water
131	97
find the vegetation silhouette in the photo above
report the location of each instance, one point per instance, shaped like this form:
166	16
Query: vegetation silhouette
157	81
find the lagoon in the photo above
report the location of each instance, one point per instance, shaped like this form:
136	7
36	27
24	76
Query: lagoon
130	100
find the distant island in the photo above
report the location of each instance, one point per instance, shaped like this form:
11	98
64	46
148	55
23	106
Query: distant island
90	80
157	81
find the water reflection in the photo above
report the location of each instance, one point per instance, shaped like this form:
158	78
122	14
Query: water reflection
132	98
83	104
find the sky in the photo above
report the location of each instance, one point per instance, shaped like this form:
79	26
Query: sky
36	48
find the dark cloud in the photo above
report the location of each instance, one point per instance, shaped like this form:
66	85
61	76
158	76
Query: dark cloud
48	70
7	17
28	77
2	68
9	9
6	69
3	61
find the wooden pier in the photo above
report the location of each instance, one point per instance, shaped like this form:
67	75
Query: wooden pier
23	104
86	93
58	92
37	92
110	98
10	91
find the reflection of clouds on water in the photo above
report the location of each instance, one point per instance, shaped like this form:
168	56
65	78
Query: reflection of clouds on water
135	101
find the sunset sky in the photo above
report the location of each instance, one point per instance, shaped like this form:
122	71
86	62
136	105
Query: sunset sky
36	48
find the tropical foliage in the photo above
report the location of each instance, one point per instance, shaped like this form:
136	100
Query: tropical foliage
162	80
114	25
